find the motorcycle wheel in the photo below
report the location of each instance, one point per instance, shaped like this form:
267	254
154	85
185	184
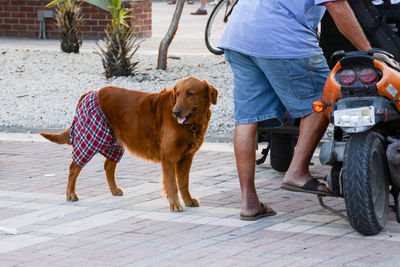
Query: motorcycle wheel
282	149
365	182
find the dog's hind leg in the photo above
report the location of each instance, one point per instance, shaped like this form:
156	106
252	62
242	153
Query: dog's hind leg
109	167
182	173
74	171
170	188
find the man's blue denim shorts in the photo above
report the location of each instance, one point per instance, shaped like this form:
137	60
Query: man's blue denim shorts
264	88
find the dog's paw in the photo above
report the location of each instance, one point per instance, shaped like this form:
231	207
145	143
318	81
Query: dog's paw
72	197
175	207
192	203
117	192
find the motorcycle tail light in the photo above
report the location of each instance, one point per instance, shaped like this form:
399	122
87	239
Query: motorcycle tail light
347	77
368	76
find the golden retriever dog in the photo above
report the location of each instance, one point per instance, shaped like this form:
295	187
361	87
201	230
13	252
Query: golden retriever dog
166	127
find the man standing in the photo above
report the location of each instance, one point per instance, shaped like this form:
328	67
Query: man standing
277	64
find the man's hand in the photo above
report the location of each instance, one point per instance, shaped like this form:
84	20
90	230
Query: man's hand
347	23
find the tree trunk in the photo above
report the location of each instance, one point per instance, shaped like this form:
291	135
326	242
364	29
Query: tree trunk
166	41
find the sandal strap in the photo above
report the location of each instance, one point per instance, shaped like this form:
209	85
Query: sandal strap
312	185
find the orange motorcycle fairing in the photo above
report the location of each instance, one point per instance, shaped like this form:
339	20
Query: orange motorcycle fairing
331	90
388	86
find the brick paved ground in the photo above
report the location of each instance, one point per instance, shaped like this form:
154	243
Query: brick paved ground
138	229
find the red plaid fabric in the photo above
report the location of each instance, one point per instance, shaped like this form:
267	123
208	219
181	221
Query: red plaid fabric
91	134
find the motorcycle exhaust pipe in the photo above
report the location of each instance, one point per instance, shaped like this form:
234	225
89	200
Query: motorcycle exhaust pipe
332	152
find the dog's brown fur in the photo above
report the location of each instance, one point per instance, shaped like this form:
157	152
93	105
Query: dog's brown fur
146	125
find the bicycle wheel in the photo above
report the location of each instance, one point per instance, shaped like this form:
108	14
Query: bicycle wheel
216	25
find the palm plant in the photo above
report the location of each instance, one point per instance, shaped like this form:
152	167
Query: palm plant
119	45
68	19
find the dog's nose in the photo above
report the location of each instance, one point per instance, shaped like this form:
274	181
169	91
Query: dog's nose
177	112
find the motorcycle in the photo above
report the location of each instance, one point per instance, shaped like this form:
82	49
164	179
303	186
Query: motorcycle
361	98
362	102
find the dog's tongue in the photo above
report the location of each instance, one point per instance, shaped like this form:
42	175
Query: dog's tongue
181	120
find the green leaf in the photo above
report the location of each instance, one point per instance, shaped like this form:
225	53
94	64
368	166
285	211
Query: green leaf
118	14
53	3
104	4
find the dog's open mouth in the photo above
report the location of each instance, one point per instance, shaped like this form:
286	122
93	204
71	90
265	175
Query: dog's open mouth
187	118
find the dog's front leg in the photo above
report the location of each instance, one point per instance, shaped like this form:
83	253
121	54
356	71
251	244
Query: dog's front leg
109	167
182	172
169	185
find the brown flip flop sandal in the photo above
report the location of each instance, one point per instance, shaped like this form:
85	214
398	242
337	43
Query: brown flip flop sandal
266	211
311	186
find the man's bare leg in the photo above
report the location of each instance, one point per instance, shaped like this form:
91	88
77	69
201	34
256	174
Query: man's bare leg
245	153
312	129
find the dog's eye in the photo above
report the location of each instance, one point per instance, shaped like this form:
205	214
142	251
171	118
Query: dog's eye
189	94
177	94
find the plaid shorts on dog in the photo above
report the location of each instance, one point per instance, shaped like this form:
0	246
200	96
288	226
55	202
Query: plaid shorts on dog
91	134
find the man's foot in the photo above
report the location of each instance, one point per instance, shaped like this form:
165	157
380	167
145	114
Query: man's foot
199	12
190	2
312	186
171	2
264	212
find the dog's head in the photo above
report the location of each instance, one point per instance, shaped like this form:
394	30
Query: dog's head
192	99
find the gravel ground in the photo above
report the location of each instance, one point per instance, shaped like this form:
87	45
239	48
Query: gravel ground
40	88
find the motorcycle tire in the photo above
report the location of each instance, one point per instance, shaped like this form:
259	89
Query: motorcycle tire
366	182
281	151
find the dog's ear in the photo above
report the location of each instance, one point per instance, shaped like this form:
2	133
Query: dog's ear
173	98
174	93
212	92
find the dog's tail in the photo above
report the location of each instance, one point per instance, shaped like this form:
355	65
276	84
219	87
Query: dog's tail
61	138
